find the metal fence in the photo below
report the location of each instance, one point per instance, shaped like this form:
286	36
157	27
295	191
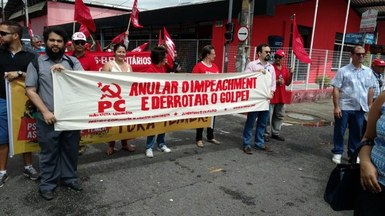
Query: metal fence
306	76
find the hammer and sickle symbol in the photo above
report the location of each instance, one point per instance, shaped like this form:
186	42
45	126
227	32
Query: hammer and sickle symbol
110	93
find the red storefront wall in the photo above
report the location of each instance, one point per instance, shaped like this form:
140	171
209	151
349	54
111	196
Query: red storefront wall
330	20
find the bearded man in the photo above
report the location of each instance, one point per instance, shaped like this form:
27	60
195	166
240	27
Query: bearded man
59	149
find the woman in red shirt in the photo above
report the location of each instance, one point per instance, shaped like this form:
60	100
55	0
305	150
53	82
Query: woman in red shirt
158	65
206	65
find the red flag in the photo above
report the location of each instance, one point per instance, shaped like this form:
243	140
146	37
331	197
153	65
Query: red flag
160	40
169	43
297	45
119	38
84	29
30	30
140	48
83	15
135	15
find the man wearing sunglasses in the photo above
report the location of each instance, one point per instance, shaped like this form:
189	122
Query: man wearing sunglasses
79	41
14	60
261	65
281	97
352	96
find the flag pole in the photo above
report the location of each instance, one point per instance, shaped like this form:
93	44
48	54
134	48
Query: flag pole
129	23
73	27
292	63
343	36
93	41
311	44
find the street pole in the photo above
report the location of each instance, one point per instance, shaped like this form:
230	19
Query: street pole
227	46
243	49
2	11
311	44
26	12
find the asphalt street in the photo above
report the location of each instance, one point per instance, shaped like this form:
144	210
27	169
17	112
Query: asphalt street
215	180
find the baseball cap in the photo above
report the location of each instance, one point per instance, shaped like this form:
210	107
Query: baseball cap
280	53
378	62
79	36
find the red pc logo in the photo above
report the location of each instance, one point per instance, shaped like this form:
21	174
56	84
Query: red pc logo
112	92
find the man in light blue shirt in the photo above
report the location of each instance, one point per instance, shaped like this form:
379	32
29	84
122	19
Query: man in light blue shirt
352	96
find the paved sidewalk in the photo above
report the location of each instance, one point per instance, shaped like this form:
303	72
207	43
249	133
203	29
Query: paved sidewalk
321	111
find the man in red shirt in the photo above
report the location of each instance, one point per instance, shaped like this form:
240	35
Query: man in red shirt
281	97
79	41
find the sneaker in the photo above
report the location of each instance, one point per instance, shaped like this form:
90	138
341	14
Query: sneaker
149	153
31	173
165	149
3	179
337	158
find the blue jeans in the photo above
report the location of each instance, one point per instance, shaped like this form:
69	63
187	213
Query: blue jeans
4	139
260	129
151	141
355	121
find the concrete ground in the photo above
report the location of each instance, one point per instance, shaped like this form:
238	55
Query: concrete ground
215	180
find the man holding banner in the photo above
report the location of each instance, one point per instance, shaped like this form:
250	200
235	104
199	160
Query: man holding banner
260	65
59	149
14	59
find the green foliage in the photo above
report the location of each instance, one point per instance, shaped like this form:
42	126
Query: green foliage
326	79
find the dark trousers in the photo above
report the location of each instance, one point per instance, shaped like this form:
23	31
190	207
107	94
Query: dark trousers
370	204
209	135
58	156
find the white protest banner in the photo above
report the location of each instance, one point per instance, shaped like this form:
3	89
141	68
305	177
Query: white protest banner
84	100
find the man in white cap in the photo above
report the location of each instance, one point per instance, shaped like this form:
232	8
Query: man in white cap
79	41
280	98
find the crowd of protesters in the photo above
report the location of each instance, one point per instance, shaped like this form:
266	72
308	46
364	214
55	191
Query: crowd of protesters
355	88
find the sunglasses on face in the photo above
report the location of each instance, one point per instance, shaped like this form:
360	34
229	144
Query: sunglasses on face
277	57
3	33
359	54
80	42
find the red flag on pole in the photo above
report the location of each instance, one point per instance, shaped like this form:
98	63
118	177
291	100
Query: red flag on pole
84	29
135	15
297	45
83	15
140	48
119	38
169	43
30	30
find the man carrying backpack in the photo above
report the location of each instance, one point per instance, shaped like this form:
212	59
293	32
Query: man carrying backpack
59	149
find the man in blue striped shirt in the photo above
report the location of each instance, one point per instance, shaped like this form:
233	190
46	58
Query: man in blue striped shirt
352	96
